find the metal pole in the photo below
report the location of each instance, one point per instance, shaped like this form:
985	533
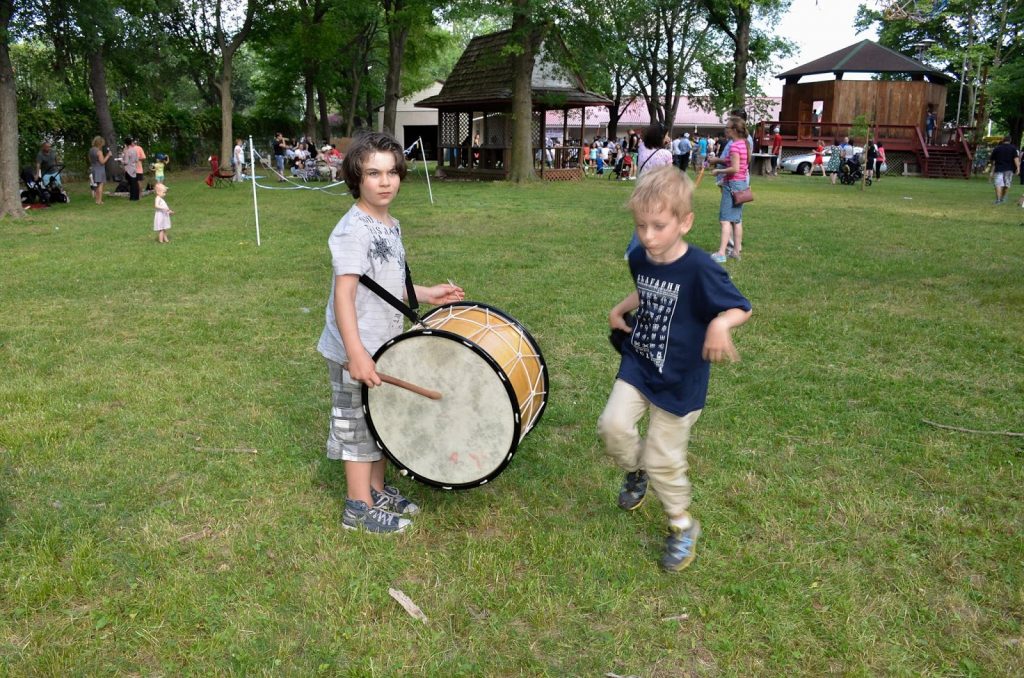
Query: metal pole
426	170
255	203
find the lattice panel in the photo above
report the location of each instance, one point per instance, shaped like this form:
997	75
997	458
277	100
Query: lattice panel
454	128
495	130
537	129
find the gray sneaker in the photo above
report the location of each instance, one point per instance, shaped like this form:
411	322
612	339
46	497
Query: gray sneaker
391	500
634	489
359	516
680	547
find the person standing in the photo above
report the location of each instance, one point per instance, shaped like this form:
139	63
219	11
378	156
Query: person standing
367	241
46	165
736	177
880	165
238	160
685	147
279	146
776	151
1005	160
98	157
929	125
130	160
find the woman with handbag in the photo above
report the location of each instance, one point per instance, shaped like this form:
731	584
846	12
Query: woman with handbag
735	189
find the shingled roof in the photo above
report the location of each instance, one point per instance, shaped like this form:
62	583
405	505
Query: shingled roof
484	74
866	57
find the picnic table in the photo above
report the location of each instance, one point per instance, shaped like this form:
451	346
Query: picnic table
763	162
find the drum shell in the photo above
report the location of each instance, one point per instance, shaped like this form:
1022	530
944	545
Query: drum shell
470	435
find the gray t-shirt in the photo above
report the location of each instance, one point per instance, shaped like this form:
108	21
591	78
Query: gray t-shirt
359	245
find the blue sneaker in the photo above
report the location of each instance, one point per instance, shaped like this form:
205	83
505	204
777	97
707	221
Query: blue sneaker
718	258
359	516
680	547
634	489
391	500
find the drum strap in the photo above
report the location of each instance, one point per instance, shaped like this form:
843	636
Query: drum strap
410	292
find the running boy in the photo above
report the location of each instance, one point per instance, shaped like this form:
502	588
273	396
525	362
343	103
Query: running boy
367	240
686	309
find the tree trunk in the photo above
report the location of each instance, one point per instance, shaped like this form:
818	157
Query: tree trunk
227	109
10	190
528	35
309	123
98	85
741	55
397	37
325	122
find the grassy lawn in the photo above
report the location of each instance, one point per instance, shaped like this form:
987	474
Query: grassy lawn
166	506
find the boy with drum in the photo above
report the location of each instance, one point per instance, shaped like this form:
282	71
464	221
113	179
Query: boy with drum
367	240
686	309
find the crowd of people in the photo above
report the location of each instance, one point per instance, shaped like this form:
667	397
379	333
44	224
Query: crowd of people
303	160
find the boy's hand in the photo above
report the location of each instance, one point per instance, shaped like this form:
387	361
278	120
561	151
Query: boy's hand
362	368
442	294
617	321
718	346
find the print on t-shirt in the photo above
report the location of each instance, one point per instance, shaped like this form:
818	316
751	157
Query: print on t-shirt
658	300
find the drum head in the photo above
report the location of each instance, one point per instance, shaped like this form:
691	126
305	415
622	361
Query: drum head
461	441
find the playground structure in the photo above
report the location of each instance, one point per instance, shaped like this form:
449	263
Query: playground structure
895	110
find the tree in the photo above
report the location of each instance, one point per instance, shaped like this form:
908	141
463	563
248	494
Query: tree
735	19
665	50
10	191
213	31
527	34
978	43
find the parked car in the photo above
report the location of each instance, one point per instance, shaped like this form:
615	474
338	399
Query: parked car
801	164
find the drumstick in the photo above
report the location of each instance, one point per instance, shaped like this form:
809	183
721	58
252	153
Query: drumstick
700	175
401	383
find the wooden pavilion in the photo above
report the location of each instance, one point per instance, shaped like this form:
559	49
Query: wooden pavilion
896	108
476	103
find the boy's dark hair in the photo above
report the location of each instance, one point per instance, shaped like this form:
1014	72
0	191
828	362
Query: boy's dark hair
362	146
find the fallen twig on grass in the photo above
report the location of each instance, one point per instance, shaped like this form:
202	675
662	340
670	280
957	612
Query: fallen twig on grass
410	607
246	450
971	430
676	617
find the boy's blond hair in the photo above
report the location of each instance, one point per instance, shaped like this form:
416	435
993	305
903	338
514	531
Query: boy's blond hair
663	188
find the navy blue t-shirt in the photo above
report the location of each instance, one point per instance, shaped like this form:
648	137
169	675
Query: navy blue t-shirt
662	358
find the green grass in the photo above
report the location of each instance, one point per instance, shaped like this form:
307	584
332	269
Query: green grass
166	506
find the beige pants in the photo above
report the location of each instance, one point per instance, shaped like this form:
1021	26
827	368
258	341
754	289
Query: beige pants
662	453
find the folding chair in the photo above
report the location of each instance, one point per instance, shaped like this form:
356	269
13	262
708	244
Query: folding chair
217	176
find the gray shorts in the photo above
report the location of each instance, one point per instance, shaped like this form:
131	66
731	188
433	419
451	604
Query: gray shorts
1003	179
349	437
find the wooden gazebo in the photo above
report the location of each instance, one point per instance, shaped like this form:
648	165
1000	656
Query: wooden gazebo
896	108
476	103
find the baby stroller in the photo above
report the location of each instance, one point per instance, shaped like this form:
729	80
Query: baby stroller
38	193
623	167
306	170
850	172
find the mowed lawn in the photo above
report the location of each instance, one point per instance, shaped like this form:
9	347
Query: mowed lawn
166	507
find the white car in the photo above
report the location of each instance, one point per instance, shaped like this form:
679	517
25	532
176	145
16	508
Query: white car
801	164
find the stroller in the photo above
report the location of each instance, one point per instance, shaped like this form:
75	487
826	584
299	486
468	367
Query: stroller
39	193
850	172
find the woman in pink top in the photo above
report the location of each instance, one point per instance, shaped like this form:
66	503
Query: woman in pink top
736	178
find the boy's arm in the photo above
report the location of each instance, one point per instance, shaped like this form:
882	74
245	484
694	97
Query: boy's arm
439	294
615	316
718	344
360	363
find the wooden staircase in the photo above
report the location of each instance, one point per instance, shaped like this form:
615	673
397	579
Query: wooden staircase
948	162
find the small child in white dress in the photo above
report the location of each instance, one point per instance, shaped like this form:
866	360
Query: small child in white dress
162	219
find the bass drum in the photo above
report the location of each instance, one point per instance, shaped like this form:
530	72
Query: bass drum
493	382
